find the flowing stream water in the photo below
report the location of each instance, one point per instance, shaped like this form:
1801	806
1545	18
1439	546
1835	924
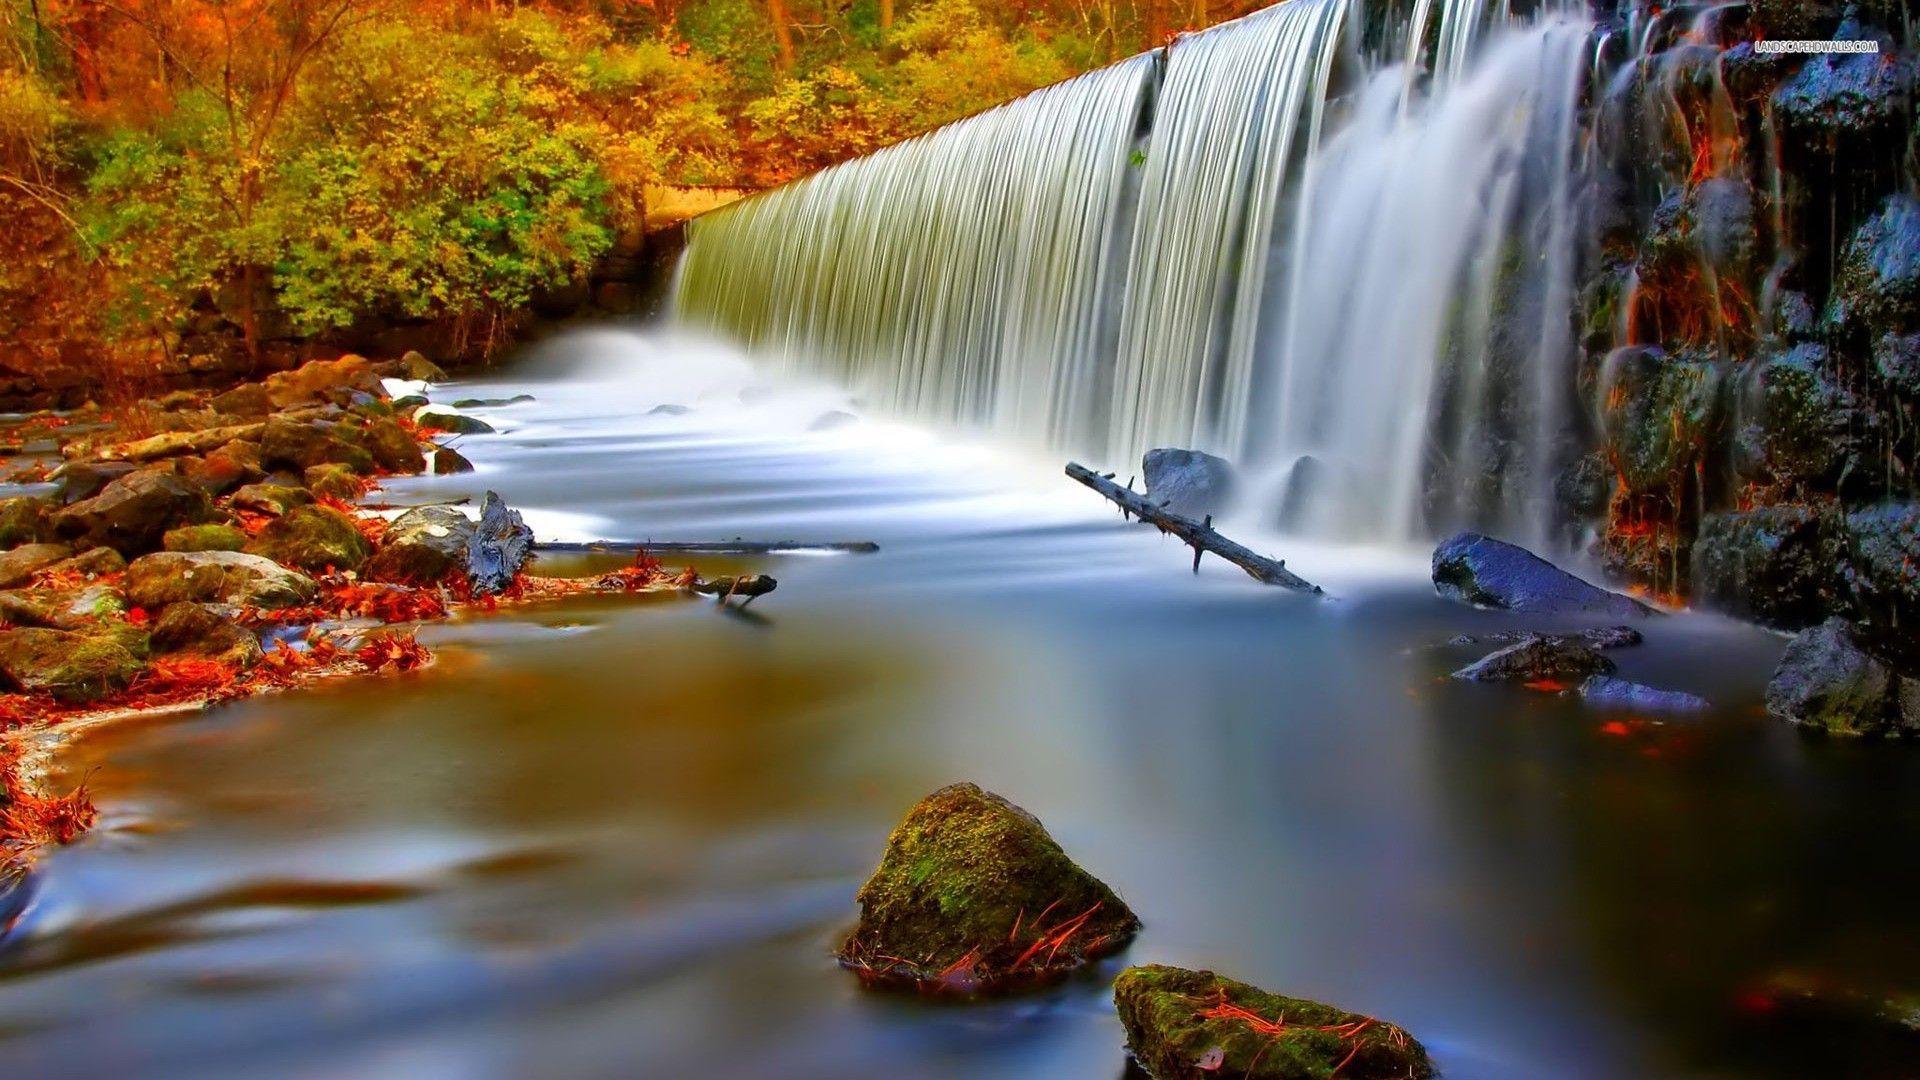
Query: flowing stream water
621	838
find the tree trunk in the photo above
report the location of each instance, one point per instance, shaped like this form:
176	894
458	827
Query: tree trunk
782	32
886	14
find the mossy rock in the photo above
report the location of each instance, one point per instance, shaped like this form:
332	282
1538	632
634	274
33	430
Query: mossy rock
1195	1025
312	538
333	482
26	519
206	630
270	498
1660	413
1775	564
72	667
1878	284
204	538
973	896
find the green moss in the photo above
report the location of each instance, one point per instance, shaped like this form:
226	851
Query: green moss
204	538
25	520
75	668
312	538
968	886
1194	1024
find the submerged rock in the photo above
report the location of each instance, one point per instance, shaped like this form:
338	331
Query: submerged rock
1187	482
312	538
1827	682
1611	693
1538	659
74	668
973	895
441	418
498	548
1195	1025
1485	572
422	546
1776	564
220	577
449	462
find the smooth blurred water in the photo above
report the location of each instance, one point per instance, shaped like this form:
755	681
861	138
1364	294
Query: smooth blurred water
620	837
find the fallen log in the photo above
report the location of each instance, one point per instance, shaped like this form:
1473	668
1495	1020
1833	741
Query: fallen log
708	547
1198	535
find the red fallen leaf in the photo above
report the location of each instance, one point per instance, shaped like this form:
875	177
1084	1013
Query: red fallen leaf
401	652
1547	686
1616	728
138	616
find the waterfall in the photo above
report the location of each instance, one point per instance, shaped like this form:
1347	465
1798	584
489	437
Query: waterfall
1256	242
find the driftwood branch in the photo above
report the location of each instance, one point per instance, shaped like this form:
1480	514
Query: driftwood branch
709	547
1196	534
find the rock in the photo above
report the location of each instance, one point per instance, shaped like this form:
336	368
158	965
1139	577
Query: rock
408	403
1660	411
312	538
1896	360
1838	104
1188	482
1602	637
498	549
179	443
226	468
132	513
25	519
668	410
333	482
84	479
1882	577
421	547
92	563
1827	682
1308	481
332	381
1195	1025
440	418
247	399
969	884
1792	319
74	668
494	403
833	421
1795	20
270	498
1485	572
1724	226
1608	692
220	577
204	538
1583	489
1538	660
19	565
1878	283
394	448
75	608
1778	564
206	630
1815	433
415	367
300	445
448	462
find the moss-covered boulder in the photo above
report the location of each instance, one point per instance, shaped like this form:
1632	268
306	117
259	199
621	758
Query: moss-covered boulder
1661	412
71	608
1777	564
333	482
26	519
1878	284
20	564
1814	433
74	668
441	418
312	538
225	468
1828	682
1883	577
217	577
1195	1025
450	462
421	547
393	447
204	538
288	443
271	498
974	896
206	630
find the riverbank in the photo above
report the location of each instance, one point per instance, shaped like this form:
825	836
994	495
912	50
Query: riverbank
199	548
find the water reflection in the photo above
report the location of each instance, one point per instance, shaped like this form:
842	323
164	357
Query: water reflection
608	838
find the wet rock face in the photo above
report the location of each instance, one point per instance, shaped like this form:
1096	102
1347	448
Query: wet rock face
1840	102
1815	433
1882	574
1795	19
1607	692
1827	682
133	513
1660	413
972	895
25	520
1195	1025
73	667
1539	659
20	564
1878	285
1188	482
1491	573
1778	565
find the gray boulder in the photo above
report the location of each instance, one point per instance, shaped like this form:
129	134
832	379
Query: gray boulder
1188	482
1608	692
215	577
1538	659
1485	572
1827	682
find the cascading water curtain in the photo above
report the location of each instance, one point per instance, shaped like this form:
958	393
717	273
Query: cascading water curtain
1425	340
959	276
1226	129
